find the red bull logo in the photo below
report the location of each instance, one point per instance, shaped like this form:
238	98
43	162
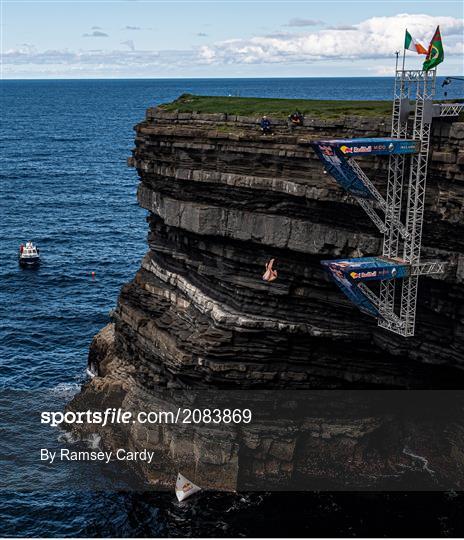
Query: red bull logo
363	275
356	149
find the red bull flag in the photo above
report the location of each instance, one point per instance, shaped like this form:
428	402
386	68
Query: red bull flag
435	53
412	45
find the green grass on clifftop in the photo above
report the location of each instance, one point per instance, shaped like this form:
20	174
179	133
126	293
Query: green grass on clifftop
277	108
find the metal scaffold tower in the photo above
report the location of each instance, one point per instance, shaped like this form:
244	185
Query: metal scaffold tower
399	267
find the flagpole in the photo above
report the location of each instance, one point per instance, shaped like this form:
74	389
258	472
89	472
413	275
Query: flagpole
404	51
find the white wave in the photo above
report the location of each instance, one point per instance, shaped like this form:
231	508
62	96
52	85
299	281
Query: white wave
421	459
93	441
66	390
67	437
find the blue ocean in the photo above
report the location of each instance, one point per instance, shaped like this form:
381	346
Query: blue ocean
65	185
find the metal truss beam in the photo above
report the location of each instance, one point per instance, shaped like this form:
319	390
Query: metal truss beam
388	315
402	228
428	268
370	211
395	221
451	109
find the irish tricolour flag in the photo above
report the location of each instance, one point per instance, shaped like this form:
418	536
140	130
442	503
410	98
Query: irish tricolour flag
412	45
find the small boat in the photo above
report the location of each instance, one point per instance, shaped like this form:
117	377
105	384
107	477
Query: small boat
185	488
29	255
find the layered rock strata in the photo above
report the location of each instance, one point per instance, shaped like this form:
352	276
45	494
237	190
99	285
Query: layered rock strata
224	199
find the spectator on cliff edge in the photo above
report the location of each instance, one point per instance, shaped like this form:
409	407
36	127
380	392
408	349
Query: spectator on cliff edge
295	119
265	124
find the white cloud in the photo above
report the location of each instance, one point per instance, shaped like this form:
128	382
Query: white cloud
342	27
297	22
23	60
26	48
67	58
129	43
377	37
96	33
381	70
374	40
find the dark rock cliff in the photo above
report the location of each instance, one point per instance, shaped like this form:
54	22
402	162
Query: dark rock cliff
222	200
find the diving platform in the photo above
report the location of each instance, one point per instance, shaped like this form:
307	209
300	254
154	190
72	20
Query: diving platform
396	271
337	156
354	275
373	146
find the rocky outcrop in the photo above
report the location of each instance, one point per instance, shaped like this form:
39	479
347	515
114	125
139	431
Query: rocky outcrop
222	200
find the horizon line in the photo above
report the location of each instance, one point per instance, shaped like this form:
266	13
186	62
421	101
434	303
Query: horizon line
3	79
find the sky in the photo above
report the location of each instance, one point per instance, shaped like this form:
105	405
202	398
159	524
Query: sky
188	39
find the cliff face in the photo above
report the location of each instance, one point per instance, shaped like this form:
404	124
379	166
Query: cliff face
223	200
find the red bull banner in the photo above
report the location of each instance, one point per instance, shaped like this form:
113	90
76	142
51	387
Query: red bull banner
349	273
335	154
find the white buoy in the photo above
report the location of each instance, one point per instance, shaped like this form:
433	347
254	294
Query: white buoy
185	488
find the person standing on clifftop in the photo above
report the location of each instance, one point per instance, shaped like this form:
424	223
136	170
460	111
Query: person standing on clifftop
265	124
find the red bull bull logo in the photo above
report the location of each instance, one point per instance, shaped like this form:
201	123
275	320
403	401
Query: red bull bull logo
363	275
356	149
